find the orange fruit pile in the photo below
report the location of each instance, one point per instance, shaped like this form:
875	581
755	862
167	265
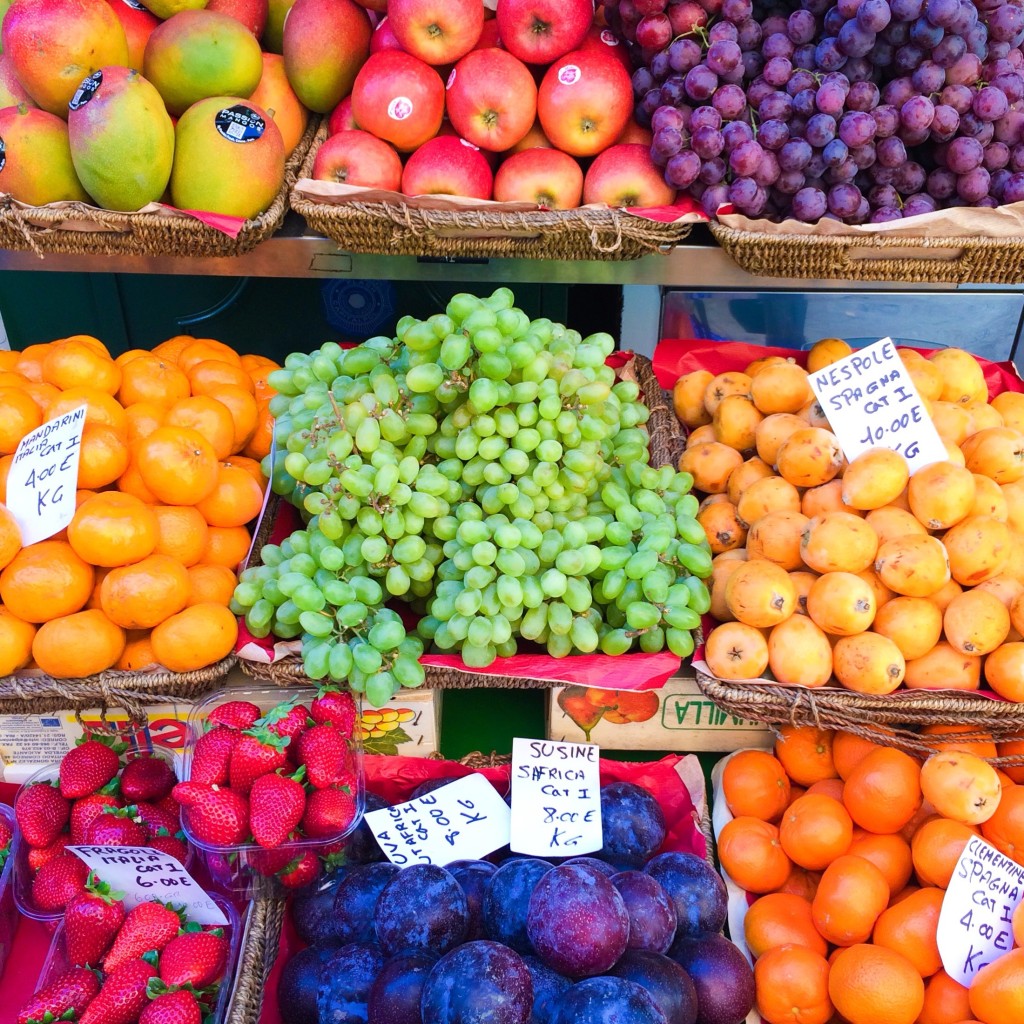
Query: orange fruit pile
168	479
848	847
826	571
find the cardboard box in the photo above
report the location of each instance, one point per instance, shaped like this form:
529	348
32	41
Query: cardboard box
677	717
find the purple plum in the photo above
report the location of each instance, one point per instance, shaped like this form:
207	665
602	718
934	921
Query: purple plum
395	996
429	786
298	985
507	900
721	976
479	981
356	900
313	915
473	876
696	890
346	977
362	846
601	865
422	907
548	985
607	1001
632	825
577	921
652	915
664	981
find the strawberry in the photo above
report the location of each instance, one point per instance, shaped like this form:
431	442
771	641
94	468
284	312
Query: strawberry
257	752
146	926
276	803
334	707
91	921
216	815
39	855
300	871
156	821
85	809
42	814
120	827
194	958
169	804
65	998
212	755
236	714
146	778
172	1008
58	881
87	768
328	812
287	720
6	834
123	995
323	751
172	845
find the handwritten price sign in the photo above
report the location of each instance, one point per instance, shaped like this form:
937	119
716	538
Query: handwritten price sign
975	921
465	820
871	402
556	798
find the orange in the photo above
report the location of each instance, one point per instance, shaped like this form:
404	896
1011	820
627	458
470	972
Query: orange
815	830
177	464
980	744
828	787
792	986
207	417
9	360
137	653
143	418
41	394
94	598
181	532
235	500
152	379
874	985
99	407
194	638
16	637
103	456
751	854
207	377
1013	747
113	529
1018	924
936	847
848	750
44	581
755	785
884	791
1004	830
30	362
173	347
200	349
127	357
890	854
210	584
945	1000
10	537
258	446
142	595
997	991
255	470
5	467
244	411
780	918
961	786
258	373
801	883
81	644
73	364
130	482
910	927
19	415
806	753
851	895
10	379
91	343
226	545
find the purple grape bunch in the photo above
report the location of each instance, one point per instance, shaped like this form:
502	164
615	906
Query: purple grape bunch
860	111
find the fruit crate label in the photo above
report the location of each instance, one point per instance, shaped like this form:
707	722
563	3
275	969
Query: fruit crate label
871	402
465	820
144	874
239	124
44	476
556	798
975	921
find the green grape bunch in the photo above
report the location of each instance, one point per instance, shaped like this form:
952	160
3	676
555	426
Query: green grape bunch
490	471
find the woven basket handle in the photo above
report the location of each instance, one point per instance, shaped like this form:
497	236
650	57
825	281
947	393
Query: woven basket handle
913	263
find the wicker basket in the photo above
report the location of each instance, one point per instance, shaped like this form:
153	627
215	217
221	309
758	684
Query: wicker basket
261	943
141	234
405	229
667	443
954	260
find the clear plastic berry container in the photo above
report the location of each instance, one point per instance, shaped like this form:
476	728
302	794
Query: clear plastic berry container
8	910
56	962
248	869
21	879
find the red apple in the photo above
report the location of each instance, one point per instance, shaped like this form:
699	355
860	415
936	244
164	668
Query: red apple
358	158
251	13
384	38
341	119
489	35
634	132
547	177
437	31
399	99
626	176
585	102
492	99
605	41
138	25
380	6
541	31
449	166
533	139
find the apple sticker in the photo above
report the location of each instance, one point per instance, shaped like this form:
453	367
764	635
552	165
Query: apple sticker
608	38
569	75
469	145
400	108
451	80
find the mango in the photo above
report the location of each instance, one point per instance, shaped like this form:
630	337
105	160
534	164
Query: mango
138	24
35	157
278	99
273	31
12	92
165	9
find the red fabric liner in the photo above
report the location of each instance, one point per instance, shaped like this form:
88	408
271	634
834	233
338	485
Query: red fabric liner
230	226
683	206
395	778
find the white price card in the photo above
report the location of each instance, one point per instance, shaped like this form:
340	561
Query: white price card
556	798
465	820
43	478
871	402
975	920
144	874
